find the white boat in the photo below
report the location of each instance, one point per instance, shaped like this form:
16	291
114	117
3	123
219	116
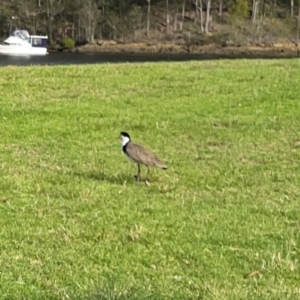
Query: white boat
21	43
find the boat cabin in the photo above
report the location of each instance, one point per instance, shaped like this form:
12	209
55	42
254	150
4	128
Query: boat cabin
22	38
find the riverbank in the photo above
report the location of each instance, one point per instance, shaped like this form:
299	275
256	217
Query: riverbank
279	49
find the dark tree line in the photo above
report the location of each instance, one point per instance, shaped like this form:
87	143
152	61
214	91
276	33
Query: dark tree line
87	20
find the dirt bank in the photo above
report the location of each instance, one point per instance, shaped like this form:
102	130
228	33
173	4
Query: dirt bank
280	49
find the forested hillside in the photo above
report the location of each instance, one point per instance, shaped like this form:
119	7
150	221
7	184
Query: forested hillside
182	21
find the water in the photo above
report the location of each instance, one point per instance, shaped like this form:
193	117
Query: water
60	58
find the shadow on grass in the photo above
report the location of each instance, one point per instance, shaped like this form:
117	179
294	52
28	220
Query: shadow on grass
101	176
112	292
126	295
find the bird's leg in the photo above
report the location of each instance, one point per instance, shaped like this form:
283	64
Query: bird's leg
137	176
146	178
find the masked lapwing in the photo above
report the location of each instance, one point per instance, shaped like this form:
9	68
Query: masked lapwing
140	156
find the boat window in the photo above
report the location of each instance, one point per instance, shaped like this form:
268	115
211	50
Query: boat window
38	42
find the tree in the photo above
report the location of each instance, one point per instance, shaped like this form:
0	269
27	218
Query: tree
199	13
148	17
182	15
220	10
255	4
298	25
167	15
89	15
207	21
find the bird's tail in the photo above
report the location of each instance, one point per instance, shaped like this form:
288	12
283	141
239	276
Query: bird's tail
162	166
158	163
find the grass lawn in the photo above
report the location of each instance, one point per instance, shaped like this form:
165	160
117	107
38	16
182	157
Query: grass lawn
74	222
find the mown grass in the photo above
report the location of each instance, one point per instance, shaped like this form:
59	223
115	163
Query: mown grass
75	225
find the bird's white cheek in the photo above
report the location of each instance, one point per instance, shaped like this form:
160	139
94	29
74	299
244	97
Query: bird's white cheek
125	140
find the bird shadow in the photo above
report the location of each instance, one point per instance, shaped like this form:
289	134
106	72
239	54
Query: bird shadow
101	176
120	179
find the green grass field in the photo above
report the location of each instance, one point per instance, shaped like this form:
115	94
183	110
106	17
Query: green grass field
75	224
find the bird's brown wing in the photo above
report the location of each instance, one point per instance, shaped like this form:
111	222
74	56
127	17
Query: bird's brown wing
144	156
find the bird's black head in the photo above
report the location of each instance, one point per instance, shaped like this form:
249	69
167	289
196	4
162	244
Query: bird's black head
125	134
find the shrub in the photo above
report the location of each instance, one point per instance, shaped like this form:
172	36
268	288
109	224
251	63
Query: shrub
239	8
68	43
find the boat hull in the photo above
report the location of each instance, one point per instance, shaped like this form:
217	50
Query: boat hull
19	51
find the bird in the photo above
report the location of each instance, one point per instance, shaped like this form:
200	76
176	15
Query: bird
140	155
